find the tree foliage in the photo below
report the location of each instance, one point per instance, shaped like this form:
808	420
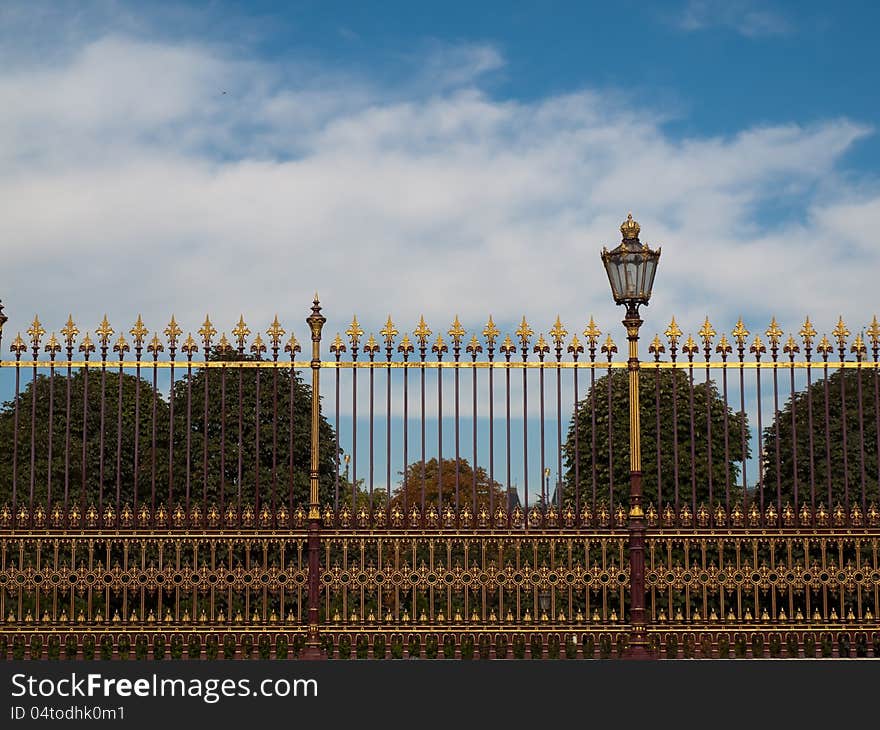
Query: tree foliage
672	410
279	463
433	479
832	406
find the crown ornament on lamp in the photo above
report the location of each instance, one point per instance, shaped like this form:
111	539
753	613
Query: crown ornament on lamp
631	266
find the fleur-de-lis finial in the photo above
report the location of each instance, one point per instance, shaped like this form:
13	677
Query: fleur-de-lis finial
656	347
155	345
740	334
189	346
456	332
354	333
258	347
507	347
474	347
439	346
592	333
422	333
609	347
293	346
841	333
575	347
389	332
824	347
207	332
275	333
70	332
18	346
121	346
558	333
104	332
706	333
36	332
223	345
241	332
405	346
757	347
524	333
808	332
86	346
52	346
139	332
172	332
690	348
791	347
542	348
774	334
873	332
673	333
490	332
723	347
372	347
858	347
337	347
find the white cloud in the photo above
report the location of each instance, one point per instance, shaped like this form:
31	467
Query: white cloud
130	183
746	17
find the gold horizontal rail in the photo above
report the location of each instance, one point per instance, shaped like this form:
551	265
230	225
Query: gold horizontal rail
431	364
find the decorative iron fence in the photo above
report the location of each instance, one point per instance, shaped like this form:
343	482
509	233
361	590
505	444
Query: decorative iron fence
467	497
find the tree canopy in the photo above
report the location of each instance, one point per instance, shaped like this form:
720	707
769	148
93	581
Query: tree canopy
672	412
439	478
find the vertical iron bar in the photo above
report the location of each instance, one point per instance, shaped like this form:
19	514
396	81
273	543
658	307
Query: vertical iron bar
827	429
121	349
67	419
760	433
51	431
843	432
794	454
172	354
862	475
15	437
33	427
189	354
257	463
692	437
773	349
101	430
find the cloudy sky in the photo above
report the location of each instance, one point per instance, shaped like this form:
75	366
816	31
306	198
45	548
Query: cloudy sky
442	158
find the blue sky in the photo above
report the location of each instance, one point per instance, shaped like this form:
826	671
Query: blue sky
438	159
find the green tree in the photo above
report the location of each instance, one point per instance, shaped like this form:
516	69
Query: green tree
440	478
612	461
793	436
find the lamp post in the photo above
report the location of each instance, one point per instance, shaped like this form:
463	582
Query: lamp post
631	268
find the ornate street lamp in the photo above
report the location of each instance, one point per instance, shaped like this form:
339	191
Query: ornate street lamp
631	268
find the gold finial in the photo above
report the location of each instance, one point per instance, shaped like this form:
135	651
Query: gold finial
139	332
172	332
337	347
87	345
474	346
524	333
773	334
293	346
275	333
874	332
807	332
758	346
723	345
507	348
456	333
542	348
52	345
121	345
18	346
575	347
258	346
389	333
841	333
223	345
656	346
69	331
706	333
155	345
189	346
673	332
372	347
859	346
630	228
690	347
405	346
592	333
791	347
490	332
36	331
558	333
740	334
240	332
354	332
824	347
422	332
439	346
104	332
207	332
609	346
